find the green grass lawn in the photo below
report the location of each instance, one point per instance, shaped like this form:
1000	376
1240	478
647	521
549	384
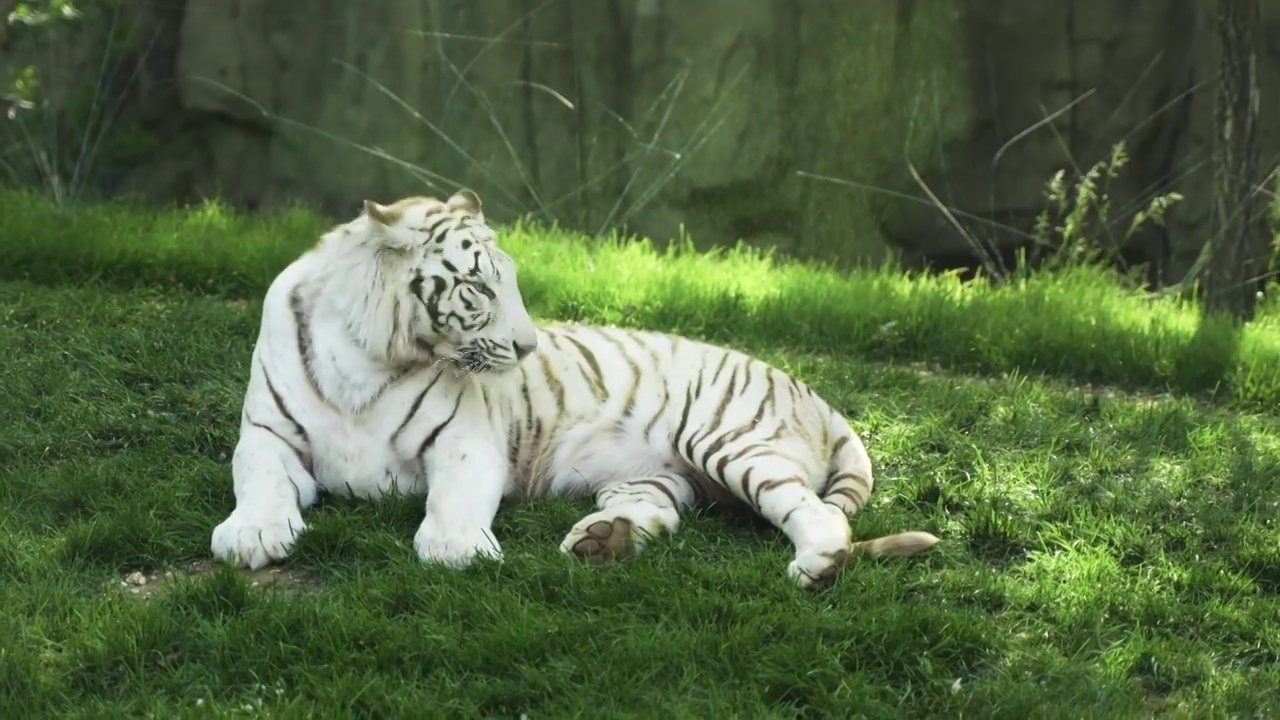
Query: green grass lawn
1105	551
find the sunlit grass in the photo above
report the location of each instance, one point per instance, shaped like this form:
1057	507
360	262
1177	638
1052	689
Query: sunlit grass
1080	324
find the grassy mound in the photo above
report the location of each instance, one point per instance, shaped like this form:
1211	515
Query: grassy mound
1104	554
1108	550
1082	325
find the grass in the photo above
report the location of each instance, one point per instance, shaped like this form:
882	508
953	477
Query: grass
1082	324
1107	551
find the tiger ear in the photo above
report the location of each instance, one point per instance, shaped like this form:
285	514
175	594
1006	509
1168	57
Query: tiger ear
381	231
376	212
467	201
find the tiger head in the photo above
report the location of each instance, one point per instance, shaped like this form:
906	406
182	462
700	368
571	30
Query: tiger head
454	292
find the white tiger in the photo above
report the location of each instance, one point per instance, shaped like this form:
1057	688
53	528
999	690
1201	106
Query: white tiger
397	354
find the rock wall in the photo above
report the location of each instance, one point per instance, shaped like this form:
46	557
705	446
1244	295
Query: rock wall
789	123
646	115
1084	75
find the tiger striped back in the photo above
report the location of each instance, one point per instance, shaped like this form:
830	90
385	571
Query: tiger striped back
652	423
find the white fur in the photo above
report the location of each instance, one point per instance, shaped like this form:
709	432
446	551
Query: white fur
593	411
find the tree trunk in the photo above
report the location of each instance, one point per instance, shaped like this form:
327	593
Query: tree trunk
1241	240
6	7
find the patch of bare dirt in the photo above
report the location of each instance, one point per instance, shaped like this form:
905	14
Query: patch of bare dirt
147	585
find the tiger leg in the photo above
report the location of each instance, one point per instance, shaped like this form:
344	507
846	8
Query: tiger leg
848	488
849	484
777	487
847	492
628	515
272	484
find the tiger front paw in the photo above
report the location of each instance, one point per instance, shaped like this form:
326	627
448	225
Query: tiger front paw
254	539
455	546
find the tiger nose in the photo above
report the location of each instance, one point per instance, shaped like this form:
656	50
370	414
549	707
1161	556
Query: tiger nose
522	351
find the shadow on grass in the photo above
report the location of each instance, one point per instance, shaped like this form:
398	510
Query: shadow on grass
1208	361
